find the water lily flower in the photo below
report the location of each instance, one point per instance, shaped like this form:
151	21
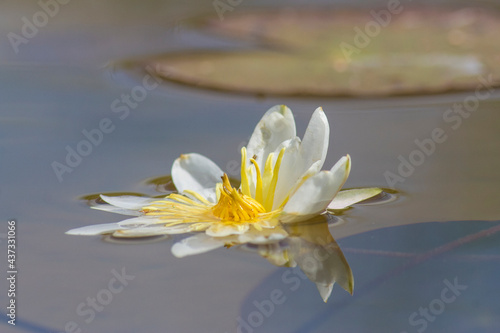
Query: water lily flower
281	183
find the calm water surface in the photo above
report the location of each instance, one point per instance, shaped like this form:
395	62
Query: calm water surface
443	229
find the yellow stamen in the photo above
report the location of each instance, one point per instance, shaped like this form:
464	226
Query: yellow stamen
197	196
245	185
268	205
180	198
267	177
235	206
218	190
258	187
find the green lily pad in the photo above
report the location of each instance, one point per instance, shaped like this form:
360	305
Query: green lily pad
345	53
346	198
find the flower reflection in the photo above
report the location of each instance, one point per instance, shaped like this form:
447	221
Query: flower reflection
311	247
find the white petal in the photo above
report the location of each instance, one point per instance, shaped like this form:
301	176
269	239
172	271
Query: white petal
117	210
197	173
178	229
303	159
348	198
141	232
127	201
325	290
292	176
221	230
315	142
199	243
139	221
277	125
96	229
151	230
316	193
263	237
289	170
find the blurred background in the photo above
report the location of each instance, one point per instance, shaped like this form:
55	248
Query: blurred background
410	93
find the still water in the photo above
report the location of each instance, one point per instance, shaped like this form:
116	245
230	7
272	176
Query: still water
427	261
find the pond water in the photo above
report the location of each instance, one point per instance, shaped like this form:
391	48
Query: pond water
427	261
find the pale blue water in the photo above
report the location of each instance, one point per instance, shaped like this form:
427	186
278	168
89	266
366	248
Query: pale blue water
443	227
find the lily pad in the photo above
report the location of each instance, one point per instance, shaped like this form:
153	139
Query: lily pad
344	199
344	52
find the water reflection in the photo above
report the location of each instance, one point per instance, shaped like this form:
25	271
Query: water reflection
311	247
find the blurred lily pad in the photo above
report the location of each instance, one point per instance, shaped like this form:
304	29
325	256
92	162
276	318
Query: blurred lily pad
345	52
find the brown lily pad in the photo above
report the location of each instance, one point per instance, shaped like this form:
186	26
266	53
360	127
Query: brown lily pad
345	53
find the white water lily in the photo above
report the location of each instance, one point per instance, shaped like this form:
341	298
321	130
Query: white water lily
281	182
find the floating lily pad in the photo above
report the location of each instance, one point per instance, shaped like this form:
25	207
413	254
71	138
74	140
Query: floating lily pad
162	184
345	53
